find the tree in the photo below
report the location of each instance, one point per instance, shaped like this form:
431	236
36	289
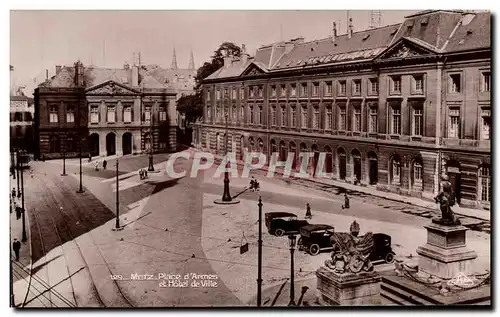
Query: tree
191	106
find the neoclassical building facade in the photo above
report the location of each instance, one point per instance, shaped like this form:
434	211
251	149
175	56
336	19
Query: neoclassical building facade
123	111
393	107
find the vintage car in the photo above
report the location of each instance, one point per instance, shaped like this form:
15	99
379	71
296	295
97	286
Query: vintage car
382	248
280	223
315	238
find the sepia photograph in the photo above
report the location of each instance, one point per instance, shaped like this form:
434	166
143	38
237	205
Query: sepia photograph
250	158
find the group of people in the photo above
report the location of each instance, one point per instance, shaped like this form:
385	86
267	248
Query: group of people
344	206
254	185
104	164
16	245
143	174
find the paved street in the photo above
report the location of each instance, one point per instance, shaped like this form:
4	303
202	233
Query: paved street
171	226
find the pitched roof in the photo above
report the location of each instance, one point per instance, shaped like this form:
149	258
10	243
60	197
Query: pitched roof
440	31
151	76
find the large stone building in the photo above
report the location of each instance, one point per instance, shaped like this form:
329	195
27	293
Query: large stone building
21	122
125	111
393	107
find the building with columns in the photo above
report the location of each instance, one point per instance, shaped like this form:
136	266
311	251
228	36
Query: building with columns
393	107
129	110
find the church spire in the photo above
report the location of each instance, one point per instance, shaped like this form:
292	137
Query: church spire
191	62
174	61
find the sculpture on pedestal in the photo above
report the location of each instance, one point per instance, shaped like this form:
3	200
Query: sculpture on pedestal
351	253
446	199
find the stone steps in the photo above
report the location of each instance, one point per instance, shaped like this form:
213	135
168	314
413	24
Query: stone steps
402	297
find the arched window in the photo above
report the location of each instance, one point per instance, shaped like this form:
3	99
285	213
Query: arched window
328	159
485	183
418	174
395	170
342	163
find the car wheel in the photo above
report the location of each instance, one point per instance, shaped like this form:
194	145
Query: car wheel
314	249
279	232
389	258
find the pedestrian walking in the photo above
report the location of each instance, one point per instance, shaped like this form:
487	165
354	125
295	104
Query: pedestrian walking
104	164
346	202
13	193
16	246
18	212
97	165
90	157
308	211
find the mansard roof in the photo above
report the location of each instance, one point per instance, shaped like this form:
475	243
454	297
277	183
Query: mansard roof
432	31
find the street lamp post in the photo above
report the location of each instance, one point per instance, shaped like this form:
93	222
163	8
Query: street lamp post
24	237
151	167
64	157
17	171
117	220
292	273
13	166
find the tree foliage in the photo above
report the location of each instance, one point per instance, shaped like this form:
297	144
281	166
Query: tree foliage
191	106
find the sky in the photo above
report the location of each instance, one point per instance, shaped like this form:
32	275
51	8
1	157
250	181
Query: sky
41	40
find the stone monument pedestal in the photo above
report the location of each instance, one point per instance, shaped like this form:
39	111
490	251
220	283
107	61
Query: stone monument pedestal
445	255
348	289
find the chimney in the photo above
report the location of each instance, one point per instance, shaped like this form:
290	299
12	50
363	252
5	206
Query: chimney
79	74
126	66
244	55
135	76
350	29
46	74
334	32
58	69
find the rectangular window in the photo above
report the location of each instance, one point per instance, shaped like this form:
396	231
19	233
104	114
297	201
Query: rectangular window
303	117
242	113
342	118
329	89
396	120
53	114
356	87
259	91
357	119
315	91
233	93
147	114
293	91
273	91
242	93
283	90
303	90
396	172
252	118
70	115
485	124
486	81
251	91
373	119
127	114
396	85
226	93
111	114
342	88
328	119
417	174
163	114
217	94
316	118
485	183
454	123
94	114
233	114
418	121
418	84
209	113
455	83
374	86
283	116
273	116
208	94
259	114
293	116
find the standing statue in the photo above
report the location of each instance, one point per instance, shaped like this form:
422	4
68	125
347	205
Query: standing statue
446	199
351	253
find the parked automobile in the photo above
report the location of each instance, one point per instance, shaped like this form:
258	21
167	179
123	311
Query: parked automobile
315	238
383	249
280	223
